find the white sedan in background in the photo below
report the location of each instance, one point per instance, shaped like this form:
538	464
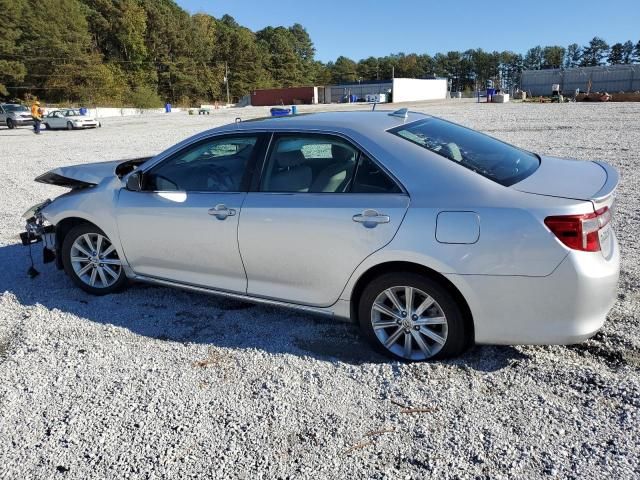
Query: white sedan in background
69	118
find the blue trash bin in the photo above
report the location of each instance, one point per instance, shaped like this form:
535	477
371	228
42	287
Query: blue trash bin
294	110
167	108
279	112
83	110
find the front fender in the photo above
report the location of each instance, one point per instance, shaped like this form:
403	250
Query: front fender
95	205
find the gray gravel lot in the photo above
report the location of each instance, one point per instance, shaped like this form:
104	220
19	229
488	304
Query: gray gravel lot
157	383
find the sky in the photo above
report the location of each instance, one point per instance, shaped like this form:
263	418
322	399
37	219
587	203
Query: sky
360	28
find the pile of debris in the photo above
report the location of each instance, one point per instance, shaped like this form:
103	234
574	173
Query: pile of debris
606	97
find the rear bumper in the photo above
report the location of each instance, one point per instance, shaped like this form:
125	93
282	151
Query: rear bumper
568	306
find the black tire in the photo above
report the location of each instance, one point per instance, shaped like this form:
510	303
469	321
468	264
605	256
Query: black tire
47	127
10	124
69	126
454	327
66	251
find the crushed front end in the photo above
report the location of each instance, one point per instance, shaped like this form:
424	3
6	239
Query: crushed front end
38	230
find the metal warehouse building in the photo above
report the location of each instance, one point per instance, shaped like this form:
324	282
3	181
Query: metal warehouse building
403	90
336	93
614	78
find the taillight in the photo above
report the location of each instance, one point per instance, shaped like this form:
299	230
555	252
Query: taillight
580	232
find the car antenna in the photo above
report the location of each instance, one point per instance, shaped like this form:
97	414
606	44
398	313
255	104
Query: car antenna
402	113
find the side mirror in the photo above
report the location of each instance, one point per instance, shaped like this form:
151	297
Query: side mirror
134	182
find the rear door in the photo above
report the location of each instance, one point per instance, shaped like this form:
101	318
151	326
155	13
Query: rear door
320	208
183	225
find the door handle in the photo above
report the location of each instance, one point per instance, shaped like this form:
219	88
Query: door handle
221	211
370	218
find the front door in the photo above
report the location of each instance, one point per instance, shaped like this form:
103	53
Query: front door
183	225
321	208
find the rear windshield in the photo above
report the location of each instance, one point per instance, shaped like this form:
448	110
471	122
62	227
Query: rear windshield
491	158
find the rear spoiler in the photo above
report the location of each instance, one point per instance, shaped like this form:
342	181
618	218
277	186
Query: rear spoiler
610	185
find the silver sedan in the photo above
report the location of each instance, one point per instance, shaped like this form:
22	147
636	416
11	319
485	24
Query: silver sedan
430	235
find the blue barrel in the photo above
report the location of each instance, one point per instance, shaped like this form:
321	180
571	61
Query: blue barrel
83	110
294	110
167	108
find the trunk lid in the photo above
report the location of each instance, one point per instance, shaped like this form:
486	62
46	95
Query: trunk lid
574	179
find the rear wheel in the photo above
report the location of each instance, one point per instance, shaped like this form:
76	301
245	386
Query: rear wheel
412	318
10	124
91	260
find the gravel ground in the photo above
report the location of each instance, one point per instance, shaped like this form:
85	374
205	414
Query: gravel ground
157	383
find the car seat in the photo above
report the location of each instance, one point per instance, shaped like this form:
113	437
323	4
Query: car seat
336	176
290	173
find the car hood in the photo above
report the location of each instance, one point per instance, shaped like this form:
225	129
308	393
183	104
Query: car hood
574	179
89	174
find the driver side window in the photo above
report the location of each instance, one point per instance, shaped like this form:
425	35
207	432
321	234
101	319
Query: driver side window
213	165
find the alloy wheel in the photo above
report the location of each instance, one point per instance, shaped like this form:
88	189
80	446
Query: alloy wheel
409	323
95	260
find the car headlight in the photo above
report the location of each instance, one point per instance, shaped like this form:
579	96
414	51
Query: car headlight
36	208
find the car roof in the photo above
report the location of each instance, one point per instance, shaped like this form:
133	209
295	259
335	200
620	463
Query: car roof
362	122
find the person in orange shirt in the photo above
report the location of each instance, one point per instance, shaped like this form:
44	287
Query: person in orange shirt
36	115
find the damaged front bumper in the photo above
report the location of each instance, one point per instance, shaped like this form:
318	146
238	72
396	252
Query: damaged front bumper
37	230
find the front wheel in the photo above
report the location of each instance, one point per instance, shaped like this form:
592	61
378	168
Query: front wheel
411	317
92	262
10	124
69	126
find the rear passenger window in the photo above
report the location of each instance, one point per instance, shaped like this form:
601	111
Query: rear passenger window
370	178
309	164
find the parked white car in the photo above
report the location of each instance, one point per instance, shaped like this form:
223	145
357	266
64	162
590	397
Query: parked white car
69	118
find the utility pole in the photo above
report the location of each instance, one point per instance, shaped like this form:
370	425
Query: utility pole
226	80
393	72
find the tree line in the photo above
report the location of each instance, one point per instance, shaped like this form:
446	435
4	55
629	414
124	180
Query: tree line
146	52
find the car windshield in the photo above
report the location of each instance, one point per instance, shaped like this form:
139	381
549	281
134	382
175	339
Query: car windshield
72	113
15	108
491	158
